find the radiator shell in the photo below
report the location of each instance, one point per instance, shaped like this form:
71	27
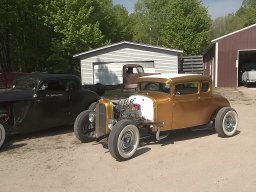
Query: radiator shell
104	112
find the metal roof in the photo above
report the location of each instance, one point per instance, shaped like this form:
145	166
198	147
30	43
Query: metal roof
240	30
128	43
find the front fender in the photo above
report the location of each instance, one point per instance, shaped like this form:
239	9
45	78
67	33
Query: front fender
89	98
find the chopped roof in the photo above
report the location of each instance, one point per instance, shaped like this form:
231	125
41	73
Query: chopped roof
167	75
174	77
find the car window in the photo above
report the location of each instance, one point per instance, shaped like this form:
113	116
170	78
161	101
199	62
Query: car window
73	85
25	83
205	87
53	85
154	86
129	70
186	88
135	71
140	69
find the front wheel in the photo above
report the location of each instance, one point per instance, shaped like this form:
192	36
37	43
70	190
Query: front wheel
226	122
2	135
92	106
123	140
84	126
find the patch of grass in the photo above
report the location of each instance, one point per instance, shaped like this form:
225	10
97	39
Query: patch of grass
118	93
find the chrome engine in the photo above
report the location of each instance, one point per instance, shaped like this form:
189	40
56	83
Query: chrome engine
126	109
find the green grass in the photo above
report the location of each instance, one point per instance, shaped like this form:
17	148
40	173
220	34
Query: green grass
118	94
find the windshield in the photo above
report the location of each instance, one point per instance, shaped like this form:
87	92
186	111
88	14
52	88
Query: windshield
154	86
25	83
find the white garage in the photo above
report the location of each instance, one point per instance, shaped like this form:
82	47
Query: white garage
104	65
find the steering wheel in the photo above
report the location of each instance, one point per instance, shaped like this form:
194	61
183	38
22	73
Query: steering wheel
152	87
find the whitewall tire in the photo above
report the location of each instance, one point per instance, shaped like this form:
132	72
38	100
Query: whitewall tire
123	140
226	122
2	135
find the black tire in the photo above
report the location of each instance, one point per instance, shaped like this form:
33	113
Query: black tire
2	135
120	149
92	107
226	122
83	128
246	83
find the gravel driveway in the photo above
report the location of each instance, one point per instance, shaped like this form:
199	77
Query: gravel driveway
193	161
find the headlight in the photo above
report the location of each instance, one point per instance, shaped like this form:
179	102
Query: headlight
111	123
91	117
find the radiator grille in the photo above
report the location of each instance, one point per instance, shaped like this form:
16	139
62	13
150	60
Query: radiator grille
101	123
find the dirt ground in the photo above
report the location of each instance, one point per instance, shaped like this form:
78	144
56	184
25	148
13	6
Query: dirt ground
191	161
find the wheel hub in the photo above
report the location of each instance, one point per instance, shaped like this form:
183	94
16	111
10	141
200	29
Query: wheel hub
230	123
88	129
127	141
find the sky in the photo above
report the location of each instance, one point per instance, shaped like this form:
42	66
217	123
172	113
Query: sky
216	8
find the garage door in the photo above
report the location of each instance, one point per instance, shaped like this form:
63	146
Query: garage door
111	73
247	62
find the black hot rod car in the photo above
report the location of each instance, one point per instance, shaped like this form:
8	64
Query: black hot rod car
40	101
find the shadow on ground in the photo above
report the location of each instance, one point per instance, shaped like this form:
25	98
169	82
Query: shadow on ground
13	141
179	135
172	137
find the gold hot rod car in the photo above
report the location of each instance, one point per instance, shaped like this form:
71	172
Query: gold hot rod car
164	102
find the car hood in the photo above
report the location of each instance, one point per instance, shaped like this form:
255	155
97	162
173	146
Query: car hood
157	97
16	95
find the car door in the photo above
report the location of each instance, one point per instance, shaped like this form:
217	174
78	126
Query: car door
206	106
52	103
186	105
76	99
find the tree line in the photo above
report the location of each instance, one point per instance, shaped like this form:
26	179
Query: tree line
244	17
42	35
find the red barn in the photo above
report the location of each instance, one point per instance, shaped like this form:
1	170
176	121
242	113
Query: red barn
227	57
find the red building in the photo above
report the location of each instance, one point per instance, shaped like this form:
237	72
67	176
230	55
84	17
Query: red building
227	56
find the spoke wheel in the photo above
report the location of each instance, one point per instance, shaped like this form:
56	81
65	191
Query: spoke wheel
84	129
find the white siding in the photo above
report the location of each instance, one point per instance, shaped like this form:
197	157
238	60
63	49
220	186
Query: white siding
112	73
163	63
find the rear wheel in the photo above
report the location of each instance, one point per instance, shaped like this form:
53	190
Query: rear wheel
123	140
2	135
84	126
226	122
